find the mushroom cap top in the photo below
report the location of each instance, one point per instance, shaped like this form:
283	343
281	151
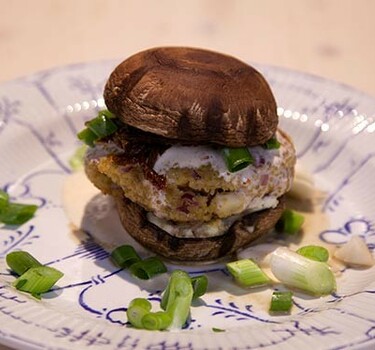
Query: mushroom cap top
193	95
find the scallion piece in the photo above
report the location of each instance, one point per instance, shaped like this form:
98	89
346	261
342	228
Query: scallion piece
147	268
76	160
4	199
124	256
200	284
20	261
177	298
217	330
38	280
247	273
314	252
138	308
101	126
290	222
237	159
176	302
87	136
140	316
17	213
98	128
156	321
281	302
295	270
272	143
106	113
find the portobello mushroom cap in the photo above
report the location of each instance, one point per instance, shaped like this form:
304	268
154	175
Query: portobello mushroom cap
240	235
193	95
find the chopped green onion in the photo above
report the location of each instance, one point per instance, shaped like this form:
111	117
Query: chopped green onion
20	261
140	316
281	302
38	280
4	199
295	270
98	128
272	143
237	158
290	222
17	213
247	273
217	330
156	321
138	308
87	136
200	284
101	126
176	302
76	160
106	113
177	298
314	252
146	269
125	256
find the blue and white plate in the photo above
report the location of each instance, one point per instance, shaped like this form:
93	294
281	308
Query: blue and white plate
333	127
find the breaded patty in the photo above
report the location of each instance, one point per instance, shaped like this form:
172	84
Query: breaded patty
199	189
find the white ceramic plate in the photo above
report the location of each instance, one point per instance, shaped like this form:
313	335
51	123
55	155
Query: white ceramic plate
334	132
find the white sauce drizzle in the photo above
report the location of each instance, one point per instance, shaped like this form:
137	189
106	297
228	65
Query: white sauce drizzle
194	157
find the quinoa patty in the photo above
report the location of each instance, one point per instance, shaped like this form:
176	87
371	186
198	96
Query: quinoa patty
201	193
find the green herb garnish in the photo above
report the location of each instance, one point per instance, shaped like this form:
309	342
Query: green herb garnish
247	273
237	159
281	302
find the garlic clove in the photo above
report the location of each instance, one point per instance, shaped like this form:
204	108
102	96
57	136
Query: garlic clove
355	252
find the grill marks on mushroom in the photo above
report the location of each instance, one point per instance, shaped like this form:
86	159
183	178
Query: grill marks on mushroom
159	90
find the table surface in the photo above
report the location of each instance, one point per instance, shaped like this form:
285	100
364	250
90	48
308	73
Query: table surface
330	38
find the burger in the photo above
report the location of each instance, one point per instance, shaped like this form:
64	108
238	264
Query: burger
195	161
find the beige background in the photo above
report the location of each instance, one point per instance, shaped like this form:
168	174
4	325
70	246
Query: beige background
330	38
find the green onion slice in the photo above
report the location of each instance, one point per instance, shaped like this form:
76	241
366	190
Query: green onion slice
177	298
106	113
295	270
217	330
77	159
21	261
176	302
147	268
156	321
4	199
140	316
237	158
101	126
247	273
125	256
272	143
138	308
17	213
87	136
281	302
200	284
38	280
290	222
314	252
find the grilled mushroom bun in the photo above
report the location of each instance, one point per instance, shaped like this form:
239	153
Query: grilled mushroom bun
176	109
